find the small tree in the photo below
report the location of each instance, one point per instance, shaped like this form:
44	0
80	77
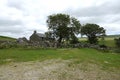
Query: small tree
92	31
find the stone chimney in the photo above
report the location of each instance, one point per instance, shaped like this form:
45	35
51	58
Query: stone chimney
35	31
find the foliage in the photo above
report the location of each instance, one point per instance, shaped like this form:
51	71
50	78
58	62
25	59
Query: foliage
116	50
92	31
117	43
49	34
74	40
62	27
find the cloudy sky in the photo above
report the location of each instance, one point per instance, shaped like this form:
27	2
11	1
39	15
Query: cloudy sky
19	18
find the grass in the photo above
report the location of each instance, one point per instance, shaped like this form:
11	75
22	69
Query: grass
83	55
108	41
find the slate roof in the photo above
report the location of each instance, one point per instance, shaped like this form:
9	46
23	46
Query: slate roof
41	35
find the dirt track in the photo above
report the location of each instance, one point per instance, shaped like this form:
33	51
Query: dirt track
55	70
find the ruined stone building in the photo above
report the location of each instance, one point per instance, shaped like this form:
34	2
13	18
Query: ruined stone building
41	39
37	37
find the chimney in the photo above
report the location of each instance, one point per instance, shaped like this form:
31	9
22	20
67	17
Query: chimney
35	31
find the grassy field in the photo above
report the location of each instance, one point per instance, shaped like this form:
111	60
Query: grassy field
109	40
81	55
58	64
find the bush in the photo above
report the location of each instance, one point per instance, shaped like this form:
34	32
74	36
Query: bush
117	50
117	42
103	46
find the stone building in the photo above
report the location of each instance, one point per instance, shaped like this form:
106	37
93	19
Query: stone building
40	39
22	40
37	37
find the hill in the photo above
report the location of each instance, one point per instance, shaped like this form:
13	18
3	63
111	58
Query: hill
113	36
6	38
109	40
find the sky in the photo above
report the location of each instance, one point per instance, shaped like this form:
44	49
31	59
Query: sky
19	18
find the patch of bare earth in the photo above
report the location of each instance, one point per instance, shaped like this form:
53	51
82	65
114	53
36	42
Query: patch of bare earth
55	69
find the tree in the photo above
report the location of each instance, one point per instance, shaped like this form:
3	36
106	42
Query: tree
92	31
49	34
63	27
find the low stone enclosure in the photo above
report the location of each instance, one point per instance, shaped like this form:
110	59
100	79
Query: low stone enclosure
25	43
48	44
38	40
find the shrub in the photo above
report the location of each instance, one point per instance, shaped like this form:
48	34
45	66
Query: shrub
117	42
103	46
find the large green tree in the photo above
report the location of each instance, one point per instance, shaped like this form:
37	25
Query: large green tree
92	31
63	27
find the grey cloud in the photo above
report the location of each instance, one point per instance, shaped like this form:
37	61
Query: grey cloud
116	20
9	25
12	29
107	8
9	22
18	4
84	20
112	30
107	13
100	19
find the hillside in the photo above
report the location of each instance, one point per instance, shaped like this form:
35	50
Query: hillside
113	36
6	38
109	40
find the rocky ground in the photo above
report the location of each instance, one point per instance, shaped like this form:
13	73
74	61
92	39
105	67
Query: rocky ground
55	69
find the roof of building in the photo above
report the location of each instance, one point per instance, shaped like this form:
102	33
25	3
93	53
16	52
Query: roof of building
41	35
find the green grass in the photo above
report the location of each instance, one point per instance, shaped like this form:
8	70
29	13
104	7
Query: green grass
108	41
4	38
83	55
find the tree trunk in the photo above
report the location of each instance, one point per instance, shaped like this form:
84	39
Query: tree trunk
59	40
